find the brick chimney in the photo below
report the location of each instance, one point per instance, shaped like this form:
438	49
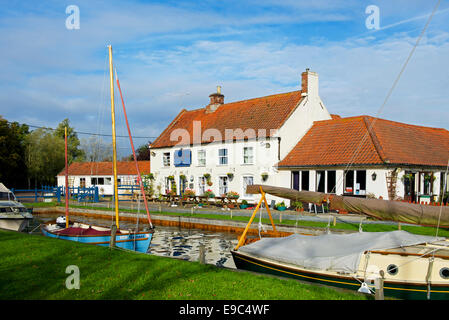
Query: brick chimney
309	83
216	100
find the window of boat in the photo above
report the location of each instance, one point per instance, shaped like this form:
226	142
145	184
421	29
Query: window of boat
4	196
444	273
392	269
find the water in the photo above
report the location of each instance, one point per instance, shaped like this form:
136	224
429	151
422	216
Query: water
172	242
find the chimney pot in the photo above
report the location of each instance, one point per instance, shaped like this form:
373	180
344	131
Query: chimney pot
216	99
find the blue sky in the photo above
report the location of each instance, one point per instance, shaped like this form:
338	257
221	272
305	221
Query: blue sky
171	55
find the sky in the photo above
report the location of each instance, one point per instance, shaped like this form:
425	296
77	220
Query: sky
171	55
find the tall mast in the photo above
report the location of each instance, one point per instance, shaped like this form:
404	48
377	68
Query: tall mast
114	147
66	182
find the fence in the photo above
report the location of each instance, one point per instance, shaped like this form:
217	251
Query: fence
55	193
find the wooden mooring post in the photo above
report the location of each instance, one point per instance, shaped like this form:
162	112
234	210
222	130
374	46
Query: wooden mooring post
113	233
202	254
379	284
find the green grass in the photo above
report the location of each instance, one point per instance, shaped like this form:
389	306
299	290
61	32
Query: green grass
33	267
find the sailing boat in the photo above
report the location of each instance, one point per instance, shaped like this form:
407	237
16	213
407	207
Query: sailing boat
397	263
80	232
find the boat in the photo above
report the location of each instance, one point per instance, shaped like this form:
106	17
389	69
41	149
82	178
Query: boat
397	264
104	236
414	213
13	215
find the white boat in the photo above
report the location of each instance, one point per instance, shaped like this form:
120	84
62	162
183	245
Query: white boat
13	215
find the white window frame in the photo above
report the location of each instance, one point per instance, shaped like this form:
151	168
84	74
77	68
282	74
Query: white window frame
166	159
244	184
223	185
201	154
201	185
221	158
248	159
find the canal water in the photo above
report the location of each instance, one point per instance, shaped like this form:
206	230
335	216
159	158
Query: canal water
179	243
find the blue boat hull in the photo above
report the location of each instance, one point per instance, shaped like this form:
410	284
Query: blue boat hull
134	241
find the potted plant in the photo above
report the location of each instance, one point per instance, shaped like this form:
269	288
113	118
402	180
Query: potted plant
298	206
209	193
171	178
230	175
244	204
281	206
232	194
264	176
207	176
182	177
189	193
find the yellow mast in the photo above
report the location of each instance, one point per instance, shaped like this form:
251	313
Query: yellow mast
114	148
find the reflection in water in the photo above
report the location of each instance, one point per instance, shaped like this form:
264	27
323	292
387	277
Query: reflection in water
185	244
172	241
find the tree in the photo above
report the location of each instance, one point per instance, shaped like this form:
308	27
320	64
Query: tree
95	149
45	156
13	171
142	153
73	143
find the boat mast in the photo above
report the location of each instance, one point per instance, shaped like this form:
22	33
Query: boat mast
114	147
66	182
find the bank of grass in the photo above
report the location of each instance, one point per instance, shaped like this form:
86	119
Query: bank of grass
34	267
367	227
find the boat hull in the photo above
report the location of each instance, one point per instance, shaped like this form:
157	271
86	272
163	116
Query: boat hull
400	290
14	224
139	241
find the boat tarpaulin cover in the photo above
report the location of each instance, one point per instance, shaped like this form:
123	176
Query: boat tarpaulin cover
333	252
425	215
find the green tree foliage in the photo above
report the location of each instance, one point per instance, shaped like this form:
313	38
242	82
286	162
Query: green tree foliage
74	152
13	171
45	156
142	153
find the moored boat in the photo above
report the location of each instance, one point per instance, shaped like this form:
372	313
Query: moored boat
398	263
13	215
80	232
126	239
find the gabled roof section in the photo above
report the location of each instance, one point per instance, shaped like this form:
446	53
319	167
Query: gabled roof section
267	113
105	168
365	140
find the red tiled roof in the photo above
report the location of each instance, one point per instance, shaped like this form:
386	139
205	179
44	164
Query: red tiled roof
349	141
106	169
267	113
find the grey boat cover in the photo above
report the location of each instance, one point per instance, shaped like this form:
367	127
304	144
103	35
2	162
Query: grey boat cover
381	209
332	252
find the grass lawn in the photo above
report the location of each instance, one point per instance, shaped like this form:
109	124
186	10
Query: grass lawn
34	267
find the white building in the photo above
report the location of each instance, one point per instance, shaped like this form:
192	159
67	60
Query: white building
101	174
370	157
237	143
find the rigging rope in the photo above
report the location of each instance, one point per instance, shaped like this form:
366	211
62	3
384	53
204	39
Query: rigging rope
387	97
